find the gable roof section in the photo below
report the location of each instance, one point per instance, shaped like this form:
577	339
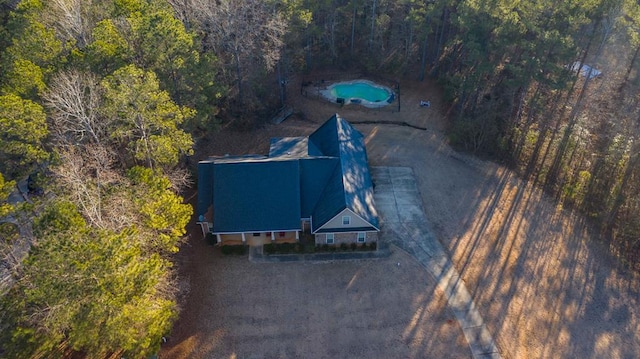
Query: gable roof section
206	170
357	224
256	196
331	201
325	138
205	188
314	175
358	187
350	184
294	147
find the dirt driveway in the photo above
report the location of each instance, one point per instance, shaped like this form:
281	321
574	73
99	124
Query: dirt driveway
543	282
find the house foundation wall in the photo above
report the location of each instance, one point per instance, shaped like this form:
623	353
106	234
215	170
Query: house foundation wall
346	237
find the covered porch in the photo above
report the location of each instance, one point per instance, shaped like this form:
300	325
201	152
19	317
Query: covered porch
257	238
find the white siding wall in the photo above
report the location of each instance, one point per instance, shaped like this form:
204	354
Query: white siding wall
356	221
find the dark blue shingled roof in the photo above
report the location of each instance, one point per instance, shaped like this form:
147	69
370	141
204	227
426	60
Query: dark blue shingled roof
331	201
206	174
316	176
358	187
205	188
256	196
350	184
289	147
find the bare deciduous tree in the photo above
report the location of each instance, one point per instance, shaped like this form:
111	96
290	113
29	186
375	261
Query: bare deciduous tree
71	20
244	29
74	98
84	172
180	179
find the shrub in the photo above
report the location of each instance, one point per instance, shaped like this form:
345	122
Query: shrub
373	246
311	248
227	250
211	239
285	248
236	249
343	246
269	248
332	248
354	246
325	247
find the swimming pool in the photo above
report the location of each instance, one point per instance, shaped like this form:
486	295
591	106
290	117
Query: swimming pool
363	92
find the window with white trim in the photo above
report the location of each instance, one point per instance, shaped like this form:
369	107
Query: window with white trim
361	237
346	220
330	238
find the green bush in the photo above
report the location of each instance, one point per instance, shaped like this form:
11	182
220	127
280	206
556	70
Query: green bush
236	249
343	247
211	239
269	248
354	246
373	246
285	248
325	247
227	250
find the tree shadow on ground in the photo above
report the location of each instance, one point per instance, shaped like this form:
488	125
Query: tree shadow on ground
546	285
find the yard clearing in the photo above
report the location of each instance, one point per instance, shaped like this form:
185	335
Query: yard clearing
342	309
543	282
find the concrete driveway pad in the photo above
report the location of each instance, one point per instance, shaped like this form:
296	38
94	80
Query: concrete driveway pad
400	208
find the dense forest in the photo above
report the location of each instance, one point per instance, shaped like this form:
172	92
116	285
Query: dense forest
101	103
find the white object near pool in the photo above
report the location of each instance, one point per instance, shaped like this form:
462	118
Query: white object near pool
362	92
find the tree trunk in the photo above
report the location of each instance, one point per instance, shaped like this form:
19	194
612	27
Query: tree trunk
409	42
373	25
440	44
308	52
353	27
280	83
332	36
425	47
236	57
619	196
573	116
533	108
542	135
630	68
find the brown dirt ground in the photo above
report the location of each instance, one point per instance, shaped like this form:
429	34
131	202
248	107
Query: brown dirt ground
544	284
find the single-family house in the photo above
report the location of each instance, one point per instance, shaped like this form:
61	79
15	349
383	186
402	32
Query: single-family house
319	185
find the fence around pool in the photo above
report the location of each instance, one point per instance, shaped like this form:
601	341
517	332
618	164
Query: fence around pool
312	86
